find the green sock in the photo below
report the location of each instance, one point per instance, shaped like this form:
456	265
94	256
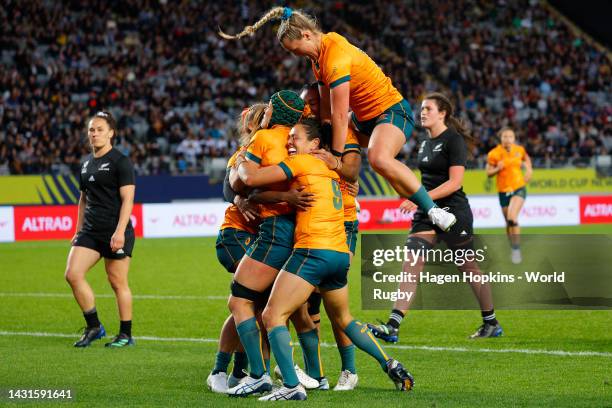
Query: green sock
311	351
250	337
222	360
422	199
267	363
280	343
241	362
361	336
347	355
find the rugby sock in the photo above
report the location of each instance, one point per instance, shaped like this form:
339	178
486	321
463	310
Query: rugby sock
241	362
250	337
91	317
363	339
312	352
267	364
347	355
515	246
222	360
395	318
280	343
125	327
488	316
422	199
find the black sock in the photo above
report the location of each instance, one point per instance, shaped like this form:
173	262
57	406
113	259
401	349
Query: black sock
488	316
395	318
125	327
91	317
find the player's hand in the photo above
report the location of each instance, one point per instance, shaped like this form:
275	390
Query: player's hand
352	188
240	157
246	208
500	165
330	160
117	241
408	207
528	175
299	198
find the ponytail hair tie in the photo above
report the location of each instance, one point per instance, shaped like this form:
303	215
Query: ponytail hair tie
287	12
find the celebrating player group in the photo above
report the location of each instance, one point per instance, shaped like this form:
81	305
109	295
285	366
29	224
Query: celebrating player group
290	231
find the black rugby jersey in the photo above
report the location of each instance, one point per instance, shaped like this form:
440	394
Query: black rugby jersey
435	156
100	179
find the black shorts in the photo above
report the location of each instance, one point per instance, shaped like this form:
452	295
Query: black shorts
460	233
100	242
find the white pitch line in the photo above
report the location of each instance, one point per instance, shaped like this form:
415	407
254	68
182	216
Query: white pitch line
104	295
562	353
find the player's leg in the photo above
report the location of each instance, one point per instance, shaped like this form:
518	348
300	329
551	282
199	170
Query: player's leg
386	141
336	306
348	373
80	260
117	273
418	243
251	280
514	209
275	315
308	336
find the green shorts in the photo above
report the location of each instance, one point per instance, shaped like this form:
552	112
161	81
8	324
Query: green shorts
352	229
323	268
274	242
399	115
504	198
231	246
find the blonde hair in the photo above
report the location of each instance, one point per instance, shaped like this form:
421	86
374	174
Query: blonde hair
293	23
254	114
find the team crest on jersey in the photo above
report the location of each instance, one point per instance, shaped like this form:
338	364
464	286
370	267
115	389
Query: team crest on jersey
104	167
84	169
438	147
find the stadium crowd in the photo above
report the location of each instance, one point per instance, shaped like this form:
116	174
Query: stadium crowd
177	88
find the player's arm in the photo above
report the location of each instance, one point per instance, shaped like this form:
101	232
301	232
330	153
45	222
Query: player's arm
454	183
127	204
324	104
80	214
528	168
254	176
494	166
339	105
296	197
228	193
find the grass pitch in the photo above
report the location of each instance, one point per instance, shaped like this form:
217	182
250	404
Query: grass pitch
546	358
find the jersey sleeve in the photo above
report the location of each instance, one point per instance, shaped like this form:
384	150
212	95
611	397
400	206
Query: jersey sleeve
457	151
492	157
125	172
352	143
337	68
295	166
257	148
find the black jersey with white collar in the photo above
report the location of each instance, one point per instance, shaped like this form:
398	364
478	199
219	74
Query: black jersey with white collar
100	180
436	156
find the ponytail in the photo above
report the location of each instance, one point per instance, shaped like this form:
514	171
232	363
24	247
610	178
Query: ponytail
453	122
293	22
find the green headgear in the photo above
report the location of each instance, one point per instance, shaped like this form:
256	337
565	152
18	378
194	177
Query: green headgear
288	108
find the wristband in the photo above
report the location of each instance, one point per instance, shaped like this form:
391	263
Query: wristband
336	153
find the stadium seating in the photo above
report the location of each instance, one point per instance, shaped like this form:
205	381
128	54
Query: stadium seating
172	82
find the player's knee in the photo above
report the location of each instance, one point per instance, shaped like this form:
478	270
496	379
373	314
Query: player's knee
270	317
379	160
72	276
